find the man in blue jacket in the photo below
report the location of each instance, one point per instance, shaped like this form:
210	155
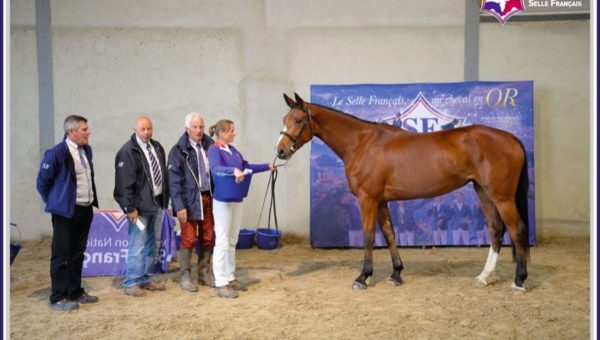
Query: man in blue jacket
440	218
461	220
141	189
66	183
191	198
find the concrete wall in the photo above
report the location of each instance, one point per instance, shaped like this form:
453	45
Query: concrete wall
556	56
115	59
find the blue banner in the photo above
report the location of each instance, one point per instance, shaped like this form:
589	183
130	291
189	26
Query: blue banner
335	216
106	251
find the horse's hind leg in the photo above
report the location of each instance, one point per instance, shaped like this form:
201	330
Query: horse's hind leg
518	233
383	217
496	229
368	210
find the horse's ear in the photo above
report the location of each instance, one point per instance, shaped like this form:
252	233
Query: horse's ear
299	100
289	101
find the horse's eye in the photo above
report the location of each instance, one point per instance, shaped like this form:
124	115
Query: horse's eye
298	121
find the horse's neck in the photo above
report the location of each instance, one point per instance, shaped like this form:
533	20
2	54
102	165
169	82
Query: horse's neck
339	131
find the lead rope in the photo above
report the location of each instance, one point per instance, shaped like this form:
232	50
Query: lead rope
272	206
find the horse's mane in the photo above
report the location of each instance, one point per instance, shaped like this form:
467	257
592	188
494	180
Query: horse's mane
357	118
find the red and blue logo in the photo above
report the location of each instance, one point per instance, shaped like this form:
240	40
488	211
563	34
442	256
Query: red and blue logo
502	9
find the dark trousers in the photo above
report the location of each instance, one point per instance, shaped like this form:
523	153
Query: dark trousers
69	239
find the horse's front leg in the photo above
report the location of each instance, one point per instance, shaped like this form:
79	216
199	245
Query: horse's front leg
368	210
385	222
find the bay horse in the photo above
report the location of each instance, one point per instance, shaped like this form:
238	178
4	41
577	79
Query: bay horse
386	163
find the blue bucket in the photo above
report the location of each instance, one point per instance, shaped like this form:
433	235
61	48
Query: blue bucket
15	247
245	239
267	238
227	189
14	251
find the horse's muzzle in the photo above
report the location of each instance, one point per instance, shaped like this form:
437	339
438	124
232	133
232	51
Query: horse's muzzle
282	154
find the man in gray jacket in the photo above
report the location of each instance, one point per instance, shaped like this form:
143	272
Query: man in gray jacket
141	189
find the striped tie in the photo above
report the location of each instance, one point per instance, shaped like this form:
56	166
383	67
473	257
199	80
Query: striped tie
155	167
81	156
202	169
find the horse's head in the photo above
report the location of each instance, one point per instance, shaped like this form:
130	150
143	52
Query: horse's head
297	128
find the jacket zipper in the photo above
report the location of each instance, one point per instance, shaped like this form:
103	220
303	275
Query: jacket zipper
187	157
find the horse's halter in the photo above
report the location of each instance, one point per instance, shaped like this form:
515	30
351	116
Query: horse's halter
304	124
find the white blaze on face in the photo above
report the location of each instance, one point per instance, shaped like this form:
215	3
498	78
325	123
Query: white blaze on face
281	135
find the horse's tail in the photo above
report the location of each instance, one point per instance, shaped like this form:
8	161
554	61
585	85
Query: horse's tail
522	206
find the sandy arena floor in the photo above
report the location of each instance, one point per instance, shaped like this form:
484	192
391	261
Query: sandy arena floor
303	293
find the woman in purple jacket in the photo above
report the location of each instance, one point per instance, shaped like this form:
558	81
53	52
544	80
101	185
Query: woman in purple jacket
224	158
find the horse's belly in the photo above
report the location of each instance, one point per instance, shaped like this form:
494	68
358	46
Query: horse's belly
412	188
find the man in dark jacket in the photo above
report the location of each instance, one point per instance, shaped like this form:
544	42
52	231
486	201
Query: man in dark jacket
440	218
462	218
66	183
191	198
141	189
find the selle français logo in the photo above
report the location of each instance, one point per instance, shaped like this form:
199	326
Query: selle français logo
502	9
422	116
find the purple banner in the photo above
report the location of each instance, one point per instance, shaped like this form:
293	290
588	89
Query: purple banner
106	251
335	216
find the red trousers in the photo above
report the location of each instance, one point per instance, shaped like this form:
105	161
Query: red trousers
203	230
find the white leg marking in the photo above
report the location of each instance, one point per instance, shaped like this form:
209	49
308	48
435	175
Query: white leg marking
516	289
488	269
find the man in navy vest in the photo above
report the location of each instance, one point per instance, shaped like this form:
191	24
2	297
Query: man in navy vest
66	183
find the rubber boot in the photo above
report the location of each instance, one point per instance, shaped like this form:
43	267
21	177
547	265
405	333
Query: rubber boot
185	280
205	273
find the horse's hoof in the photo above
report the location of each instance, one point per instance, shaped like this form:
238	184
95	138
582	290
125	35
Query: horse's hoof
516	289
358	286
480	282
396	282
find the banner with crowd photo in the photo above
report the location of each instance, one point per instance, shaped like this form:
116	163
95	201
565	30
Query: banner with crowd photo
335	216
106	251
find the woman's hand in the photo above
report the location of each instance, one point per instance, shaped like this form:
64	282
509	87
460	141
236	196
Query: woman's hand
272	167
239	175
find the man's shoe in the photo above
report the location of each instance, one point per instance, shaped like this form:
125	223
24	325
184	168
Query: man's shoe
136	291
153	286
64	305
235	284
86	298
185	282
206	278
205	272
226	292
